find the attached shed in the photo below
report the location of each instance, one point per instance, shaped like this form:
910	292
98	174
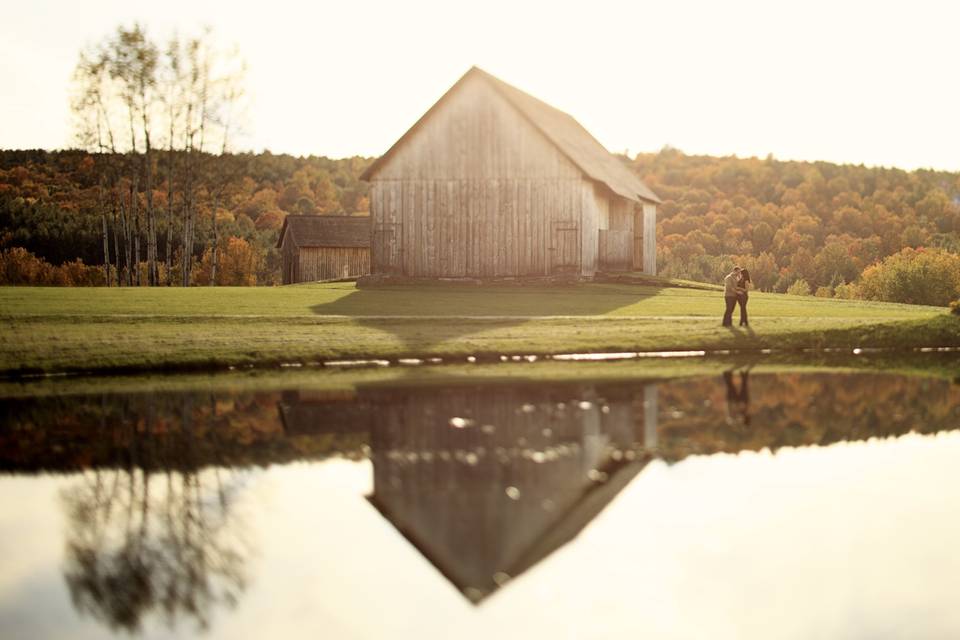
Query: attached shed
318	247
491	182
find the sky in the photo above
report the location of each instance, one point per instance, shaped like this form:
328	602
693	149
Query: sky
873	83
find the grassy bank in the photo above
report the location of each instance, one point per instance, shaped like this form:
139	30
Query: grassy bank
60	330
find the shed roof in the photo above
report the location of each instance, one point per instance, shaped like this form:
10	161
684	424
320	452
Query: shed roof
326	231
559	128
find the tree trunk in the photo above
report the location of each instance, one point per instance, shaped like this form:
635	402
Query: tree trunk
106	237
106	249
125	230
168	236
151	229
187	239
116	240
148	189
216	241
135	213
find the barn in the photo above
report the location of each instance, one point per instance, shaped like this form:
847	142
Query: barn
317	247
493	183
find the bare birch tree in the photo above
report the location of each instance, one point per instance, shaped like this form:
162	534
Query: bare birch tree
191	94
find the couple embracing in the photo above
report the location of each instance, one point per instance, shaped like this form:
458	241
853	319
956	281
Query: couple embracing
735	287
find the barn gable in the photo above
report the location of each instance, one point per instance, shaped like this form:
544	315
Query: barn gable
555	127
472	132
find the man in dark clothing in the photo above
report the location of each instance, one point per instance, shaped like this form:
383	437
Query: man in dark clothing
730	295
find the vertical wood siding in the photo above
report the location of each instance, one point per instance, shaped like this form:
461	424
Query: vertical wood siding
288	252
329	263
637	238
616	250
650	239
483	228
616	243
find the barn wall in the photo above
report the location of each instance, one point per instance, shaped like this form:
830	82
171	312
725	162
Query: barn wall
288	251
603	205
592	212
482	228
479	192
650	239
331	263
616	242
621	213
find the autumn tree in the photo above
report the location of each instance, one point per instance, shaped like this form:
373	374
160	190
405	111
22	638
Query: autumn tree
914	276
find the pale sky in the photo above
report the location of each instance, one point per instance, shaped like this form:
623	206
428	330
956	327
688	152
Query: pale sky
876	83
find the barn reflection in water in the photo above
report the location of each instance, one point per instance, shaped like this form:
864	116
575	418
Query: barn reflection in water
487	480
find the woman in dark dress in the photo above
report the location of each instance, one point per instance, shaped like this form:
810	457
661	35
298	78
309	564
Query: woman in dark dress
743	286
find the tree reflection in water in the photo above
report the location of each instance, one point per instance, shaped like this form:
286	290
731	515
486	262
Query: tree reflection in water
143	541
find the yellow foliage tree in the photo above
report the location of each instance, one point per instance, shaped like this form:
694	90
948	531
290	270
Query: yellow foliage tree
237	264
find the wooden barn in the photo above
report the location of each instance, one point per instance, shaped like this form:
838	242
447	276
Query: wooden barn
493	183
324	247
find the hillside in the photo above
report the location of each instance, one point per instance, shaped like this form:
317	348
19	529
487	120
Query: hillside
817	222
820	222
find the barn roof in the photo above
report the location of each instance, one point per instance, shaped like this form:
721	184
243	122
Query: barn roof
560	128
326	231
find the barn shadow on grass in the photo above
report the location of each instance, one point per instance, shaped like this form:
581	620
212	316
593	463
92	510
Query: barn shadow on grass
423	317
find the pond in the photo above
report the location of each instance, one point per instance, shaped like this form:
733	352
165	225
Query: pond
745	504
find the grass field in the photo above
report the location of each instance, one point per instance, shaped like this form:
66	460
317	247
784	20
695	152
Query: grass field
100	329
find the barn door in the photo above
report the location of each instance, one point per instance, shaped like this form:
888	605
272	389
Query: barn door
637	239
565	247
387	252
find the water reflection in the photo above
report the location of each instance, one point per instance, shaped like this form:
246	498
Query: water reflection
141	543
485	480
147	530
738	398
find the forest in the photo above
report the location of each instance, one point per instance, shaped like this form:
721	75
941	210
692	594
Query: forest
54	208
808	227
804	227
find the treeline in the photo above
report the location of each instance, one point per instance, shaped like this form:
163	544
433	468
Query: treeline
806	227
809	228
53	205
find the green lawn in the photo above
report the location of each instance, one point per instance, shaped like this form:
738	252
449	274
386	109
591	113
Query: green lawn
100	329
